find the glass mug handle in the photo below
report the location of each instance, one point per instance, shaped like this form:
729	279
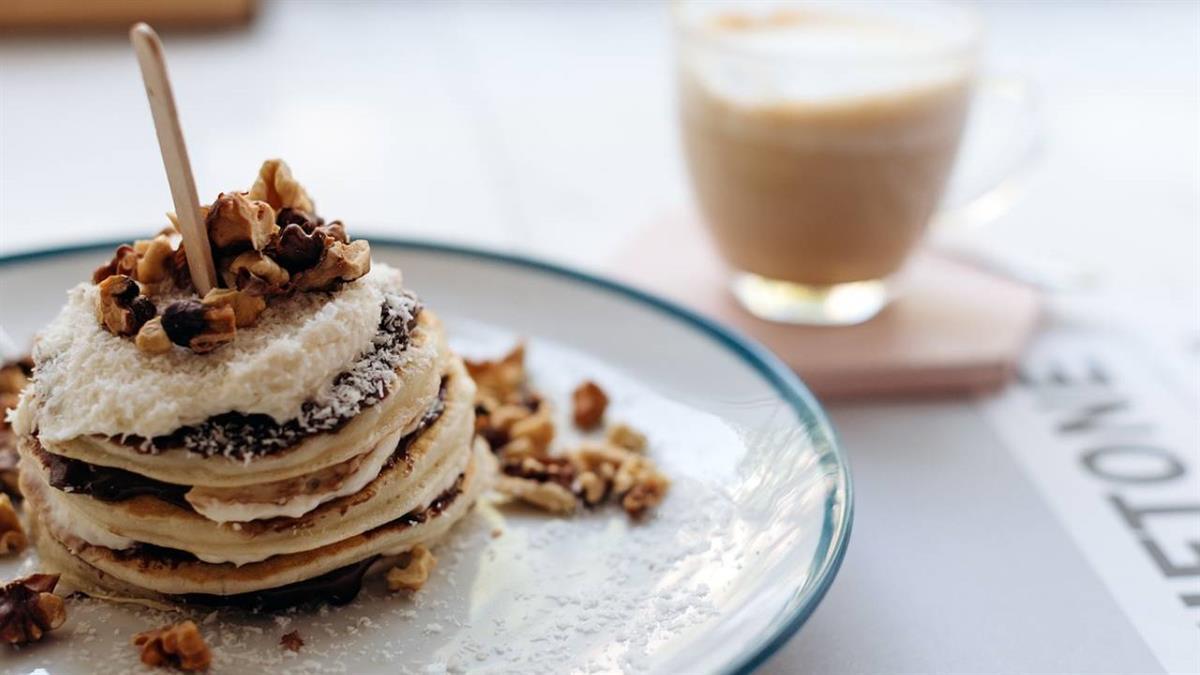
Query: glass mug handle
1002	143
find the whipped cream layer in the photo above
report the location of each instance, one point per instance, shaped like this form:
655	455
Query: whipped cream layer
91	382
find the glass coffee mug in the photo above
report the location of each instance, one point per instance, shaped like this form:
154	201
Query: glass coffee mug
820	138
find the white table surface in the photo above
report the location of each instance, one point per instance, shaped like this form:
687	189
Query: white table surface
549	129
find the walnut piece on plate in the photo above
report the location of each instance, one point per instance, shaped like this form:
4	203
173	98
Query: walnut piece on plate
413	572
589	403
621	472
291	641
546	496
29	609
180	645
12	535
624	436
14	375
518	426
499	381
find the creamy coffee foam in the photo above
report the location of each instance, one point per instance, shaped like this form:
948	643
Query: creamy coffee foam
807	51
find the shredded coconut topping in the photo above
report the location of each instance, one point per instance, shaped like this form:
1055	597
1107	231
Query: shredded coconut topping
367	382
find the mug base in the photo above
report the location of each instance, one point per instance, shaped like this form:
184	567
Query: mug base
788	302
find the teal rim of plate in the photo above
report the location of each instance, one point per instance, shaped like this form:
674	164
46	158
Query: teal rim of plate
835	536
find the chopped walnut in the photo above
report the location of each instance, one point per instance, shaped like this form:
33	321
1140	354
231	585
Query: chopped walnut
413	574
236	223
624	436
267	243
202	329
255	272
246	307
297	249
518	427
632	477
9	475
121	306
180	645
517	449
542	481
591	487
537	428
276	186
152	338
495	422
12	535
648	492
501	380
589	402
602	458
338	264
640	483
181	275
506	416
547	496
545	468
183	320
29	609
220	326
335	230
157	258
14	375
291	641
124	261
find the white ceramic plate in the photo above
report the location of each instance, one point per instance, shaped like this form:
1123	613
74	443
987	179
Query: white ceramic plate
735	560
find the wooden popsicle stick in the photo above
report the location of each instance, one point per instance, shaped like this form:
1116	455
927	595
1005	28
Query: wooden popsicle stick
175	158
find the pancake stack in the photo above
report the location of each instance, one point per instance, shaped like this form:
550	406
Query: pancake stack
268	444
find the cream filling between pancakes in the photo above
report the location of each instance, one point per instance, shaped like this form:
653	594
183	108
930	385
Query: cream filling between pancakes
267	502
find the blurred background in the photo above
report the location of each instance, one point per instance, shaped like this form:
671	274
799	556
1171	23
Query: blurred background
550	127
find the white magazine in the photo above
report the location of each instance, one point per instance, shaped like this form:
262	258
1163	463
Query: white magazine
1107	426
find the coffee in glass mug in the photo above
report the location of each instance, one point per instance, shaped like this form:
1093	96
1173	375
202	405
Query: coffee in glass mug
820	137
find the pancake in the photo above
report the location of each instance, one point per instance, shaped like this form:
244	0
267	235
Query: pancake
428	464
155	579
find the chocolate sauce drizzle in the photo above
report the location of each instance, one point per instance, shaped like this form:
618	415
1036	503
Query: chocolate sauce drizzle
109	484
367	382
